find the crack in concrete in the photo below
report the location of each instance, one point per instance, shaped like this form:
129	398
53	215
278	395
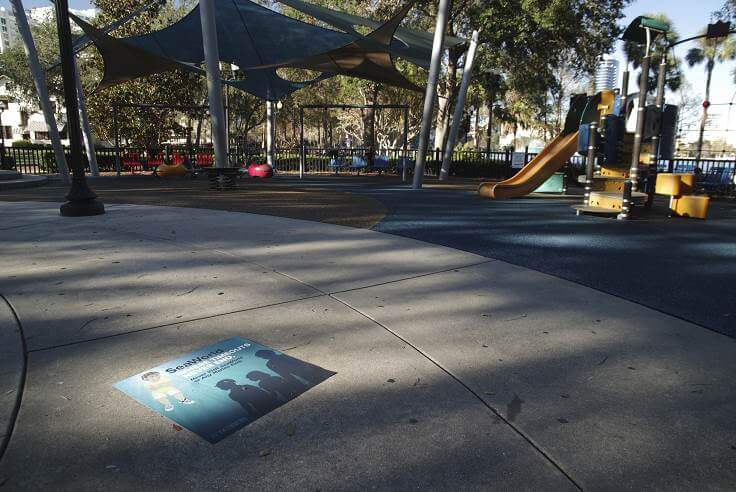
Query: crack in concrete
453	376
5	438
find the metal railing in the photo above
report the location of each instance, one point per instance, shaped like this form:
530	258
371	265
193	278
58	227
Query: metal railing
495	164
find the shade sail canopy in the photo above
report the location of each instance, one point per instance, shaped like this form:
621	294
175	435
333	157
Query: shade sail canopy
259	41
410	44
367	57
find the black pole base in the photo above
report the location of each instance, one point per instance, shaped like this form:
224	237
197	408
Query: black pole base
82	208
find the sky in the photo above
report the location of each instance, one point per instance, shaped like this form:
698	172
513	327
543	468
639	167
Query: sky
29	4
688	18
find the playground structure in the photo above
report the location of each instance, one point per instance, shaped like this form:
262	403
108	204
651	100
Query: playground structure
555	155
623	141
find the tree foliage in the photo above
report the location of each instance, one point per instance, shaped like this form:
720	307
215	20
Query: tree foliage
533	53
530	42
145	127
13	62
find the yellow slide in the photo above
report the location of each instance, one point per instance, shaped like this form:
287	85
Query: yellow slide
539	170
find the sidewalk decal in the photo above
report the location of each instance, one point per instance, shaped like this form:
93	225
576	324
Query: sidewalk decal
223	387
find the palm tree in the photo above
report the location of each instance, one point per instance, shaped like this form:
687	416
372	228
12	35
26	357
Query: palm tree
709	51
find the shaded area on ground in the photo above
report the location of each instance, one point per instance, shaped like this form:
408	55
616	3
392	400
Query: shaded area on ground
252	196
679	266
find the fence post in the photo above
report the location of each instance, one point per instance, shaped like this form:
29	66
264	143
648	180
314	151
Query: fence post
302	155
117	137
526	155
405	160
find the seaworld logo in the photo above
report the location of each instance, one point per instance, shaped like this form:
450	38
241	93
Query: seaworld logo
215	357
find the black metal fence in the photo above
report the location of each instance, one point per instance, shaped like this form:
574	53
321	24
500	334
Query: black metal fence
496	164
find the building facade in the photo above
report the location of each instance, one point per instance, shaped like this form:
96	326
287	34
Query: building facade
8	30
22	119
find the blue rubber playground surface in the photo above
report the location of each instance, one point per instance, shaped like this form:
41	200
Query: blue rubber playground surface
683	267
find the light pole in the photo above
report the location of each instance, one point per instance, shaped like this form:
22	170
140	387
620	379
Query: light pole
82	200
3	107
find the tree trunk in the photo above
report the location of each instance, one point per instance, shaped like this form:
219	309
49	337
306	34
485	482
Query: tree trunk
293	126
699	150
325	129
489	128
447	96
476	133
199	130
372	142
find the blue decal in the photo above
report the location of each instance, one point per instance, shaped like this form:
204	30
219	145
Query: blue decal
223	387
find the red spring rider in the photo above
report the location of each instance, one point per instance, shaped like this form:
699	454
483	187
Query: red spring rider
260	170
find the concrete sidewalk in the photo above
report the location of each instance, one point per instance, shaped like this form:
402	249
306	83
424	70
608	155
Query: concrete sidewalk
453	370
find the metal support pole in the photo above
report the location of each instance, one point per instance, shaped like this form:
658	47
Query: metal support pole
431	92
39	80
302	150
656	138
640	117
626	202
82	200
89	143
227	119
590	161
269	133
624	90
372	156
459	107
632	184
117	137
214	86
406	145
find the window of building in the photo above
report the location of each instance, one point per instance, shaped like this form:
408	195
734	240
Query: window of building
42	135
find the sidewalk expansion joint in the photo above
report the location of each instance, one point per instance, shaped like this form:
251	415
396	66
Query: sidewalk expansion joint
5	440
420	275
457	379
174	323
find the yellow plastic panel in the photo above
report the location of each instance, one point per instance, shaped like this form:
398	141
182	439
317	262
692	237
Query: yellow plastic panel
611	172
603	184
605	107
668	184
695	207
687	183
611	201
